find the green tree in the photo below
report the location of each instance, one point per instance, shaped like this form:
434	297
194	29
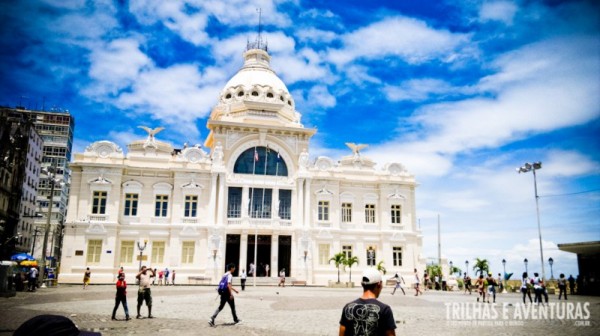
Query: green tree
338	259
433	270
381	268
349	262
455	270
482	266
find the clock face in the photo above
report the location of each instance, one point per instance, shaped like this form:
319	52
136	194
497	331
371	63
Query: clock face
193	155
323	165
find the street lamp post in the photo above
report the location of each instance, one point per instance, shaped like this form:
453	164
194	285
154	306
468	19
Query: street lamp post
467	266
504	275
527	167
451	267
141	248
551	261
51	173
526	261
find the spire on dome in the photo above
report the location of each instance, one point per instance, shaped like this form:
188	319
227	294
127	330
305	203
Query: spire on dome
258	43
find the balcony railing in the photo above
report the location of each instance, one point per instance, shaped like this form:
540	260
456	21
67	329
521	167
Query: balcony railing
189	220
98	218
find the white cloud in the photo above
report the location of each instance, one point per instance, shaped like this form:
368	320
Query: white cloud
569	163
503	11
313	35
410	39
420	89
116	66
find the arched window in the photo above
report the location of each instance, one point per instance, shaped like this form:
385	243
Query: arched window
256	160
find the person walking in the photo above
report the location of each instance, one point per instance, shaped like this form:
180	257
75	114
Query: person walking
87	275
367	315
32	281
154	279
281	278
467	283
173	278
226	292
500	283
144	294
562	286
251	270
160	277
267	270
425	280
491	287
537	288
243	279
571	284
121	297
525	287
417	283
480	283
399	279
167	273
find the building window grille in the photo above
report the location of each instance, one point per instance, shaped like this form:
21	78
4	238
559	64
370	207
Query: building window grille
131	204
161	205
99	202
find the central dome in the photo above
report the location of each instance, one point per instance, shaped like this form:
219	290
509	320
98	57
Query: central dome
256	71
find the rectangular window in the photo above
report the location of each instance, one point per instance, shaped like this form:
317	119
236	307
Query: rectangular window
94	250
346	212
191	206
347	251
127	252
285	204
131	204
396	214
323	210
187	252
324	254
161	205
370	213
260	203
397	255
158	252
234	202
99	203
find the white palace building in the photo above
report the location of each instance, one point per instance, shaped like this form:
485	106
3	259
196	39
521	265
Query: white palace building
255	196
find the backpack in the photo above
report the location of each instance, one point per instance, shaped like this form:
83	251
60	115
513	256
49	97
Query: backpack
222	288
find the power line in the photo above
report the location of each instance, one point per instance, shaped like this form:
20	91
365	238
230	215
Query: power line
569	194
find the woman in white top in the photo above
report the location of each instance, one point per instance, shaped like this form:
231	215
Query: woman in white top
417	283
525	287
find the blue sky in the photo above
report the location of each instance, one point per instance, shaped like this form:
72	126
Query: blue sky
460	92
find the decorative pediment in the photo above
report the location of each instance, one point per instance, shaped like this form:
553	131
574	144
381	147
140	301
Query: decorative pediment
96	229
324	163
394	169
398	237
194	154
104	149
189	231
100	180
324	192
396	196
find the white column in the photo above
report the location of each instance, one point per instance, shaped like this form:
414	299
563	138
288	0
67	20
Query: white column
245	200
275	204
298	212
307	200
243	252
221	201
212	200
274	270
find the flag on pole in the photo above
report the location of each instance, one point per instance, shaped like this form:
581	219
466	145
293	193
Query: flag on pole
255	155
278	157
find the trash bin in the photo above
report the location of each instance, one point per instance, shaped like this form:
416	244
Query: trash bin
7	288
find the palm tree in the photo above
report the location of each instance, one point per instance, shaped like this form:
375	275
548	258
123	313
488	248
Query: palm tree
481	266
338	259
349	262
381	268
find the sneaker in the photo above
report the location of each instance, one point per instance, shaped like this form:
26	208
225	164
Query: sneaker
112	318
127	318
150	316
138	317
237	322
211	322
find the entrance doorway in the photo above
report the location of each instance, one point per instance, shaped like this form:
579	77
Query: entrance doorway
232	252
285	254
263	253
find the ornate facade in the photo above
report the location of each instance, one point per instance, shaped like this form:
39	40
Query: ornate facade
253	197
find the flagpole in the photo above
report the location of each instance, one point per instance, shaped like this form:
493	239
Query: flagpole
254	159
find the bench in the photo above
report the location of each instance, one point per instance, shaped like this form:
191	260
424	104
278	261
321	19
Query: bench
299	283
198	278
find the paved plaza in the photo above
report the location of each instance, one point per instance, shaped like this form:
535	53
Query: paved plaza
184	310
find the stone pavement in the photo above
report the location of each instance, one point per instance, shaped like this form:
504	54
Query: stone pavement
184	310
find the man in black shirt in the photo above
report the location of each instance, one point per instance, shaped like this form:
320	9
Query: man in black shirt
366	316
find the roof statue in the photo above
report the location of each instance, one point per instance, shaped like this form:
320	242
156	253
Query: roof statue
150	142
356	147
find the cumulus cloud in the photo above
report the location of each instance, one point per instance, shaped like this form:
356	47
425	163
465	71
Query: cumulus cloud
410	39
314	36
420	89
503	11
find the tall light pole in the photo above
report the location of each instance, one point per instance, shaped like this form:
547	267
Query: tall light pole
467	266
526	261
451	268
51	173
504	275
141	248
551	261
532	167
